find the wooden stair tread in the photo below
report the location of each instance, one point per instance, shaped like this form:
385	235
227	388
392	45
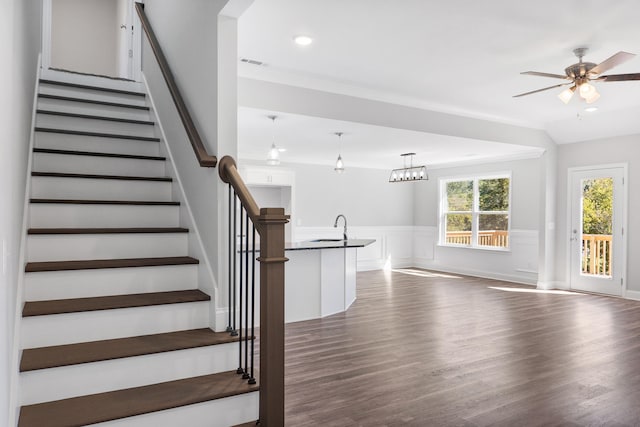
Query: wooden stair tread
105	202
97	134
76	305
92	176
92	117
92	101
101	89
95	351
32	267
101	407
97	154
113	230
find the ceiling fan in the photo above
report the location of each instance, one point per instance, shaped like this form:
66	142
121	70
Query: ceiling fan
581	74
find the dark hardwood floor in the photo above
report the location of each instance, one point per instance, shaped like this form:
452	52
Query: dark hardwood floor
429	349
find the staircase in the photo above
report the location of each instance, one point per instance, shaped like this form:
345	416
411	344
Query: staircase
115	330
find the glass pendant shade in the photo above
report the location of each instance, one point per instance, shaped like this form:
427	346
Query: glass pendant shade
339	165
273	158
566	95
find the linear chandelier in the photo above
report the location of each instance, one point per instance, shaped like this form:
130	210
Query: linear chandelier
411	173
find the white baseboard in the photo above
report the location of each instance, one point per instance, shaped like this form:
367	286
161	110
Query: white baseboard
524	280
633	295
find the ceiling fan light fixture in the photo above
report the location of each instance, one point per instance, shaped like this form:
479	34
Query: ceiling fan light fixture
566	95
587	90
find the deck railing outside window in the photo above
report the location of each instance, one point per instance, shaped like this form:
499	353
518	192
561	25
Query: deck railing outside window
496	238
596	254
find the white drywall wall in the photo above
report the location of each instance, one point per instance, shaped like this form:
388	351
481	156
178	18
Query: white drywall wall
364	196
201	49
84	36
20	23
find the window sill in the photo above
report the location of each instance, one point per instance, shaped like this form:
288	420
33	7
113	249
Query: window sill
479	248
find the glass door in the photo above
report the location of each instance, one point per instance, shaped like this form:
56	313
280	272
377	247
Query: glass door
596	230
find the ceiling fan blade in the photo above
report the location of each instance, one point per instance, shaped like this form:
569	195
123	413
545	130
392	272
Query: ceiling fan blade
541	90
536	73
620	77
609	63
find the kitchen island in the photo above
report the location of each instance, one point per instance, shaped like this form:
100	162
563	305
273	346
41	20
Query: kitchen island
320	277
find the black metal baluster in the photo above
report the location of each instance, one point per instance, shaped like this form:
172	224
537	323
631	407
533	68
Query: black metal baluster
246	300
232	308
231	254
252	379
242	214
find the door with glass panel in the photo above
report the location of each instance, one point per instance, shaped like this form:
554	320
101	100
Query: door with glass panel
597	202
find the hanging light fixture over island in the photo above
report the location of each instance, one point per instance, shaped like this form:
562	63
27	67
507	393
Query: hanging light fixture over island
411	173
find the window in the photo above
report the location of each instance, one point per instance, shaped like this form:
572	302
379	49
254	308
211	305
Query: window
475	211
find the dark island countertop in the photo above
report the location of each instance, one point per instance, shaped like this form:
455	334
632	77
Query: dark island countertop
327	244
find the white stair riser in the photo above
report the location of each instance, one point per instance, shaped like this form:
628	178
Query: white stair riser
96	95
46	215
92	109
225	412
90	80
42	331
97	145
105	246
93	125
108	281
47	162
88	378
99	189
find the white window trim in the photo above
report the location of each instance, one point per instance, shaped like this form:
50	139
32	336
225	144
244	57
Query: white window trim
442	229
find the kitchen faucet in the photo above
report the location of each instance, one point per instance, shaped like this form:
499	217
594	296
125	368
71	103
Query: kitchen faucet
335	225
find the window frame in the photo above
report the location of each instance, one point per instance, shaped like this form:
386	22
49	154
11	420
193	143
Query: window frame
475	210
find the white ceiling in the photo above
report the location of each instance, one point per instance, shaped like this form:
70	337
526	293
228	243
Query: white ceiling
458	56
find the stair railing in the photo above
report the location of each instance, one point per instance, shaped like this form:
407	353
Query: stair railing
204	158
269	223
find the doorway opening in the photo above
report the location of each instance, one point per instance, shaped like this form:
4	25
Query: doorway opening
94	37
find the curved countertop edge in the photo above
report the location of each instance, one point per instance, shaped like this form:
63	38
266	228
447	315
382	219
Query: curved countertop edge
311	245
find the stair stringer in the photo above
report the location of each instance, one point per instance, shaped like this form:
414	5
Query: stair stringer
206	278
16	349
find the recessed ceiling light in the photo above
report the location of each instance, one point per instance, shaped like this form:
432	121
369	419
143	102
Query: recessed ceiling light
303	40
591	109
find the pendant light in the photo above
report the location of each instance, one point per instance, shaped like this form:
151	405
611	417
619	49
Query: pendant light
411	173
273	157
339	163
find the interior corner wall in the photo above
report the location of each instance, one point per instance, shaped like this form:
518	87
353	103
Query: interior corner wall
188	35
84	36
592	153
521	262
20	39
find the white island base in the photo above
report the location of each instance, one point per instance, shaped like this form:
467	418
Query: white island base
320	279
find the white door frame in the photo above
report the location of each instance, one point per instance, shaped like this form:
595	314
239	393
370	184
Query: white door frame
135	43
625	209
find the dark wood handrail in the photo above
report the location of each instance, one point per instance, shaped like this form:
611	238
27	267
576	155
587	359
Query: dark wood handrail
229	174
205	159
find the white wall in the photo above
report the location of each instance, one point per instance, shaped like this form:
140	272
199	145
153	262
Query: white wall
612	150
19	47
200	47
84	36
364	196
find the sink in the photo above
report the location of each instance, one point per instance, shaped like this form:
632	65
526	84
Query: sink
328	240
